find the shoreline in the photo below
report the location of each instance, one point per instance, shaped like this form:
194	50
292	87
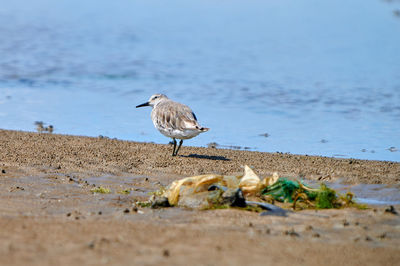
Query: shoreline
97	156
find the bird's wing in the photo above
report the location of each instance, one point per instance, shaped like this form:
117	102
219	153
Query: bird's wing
174	115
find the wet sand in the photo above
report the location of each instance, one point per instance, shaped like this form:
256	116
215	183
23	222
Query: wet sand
49	215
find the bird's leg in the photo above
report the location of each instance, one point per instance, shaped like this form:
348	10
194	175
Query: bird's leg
173	151
179	146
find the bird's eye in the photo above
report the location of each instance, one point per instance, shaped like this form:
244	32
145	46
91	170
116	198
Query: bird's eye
155	97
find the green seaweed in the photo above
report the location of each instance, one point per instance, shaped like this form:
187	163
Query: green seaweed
124	192
326	198
144	204
285	190
158	193
101	190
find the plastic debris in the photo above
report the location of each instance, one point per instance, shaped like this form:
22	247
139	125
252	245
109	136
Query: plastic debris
211	191
250	182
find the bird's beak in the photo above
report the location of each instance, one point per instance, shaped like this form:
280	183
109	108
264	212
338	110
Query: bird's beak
143	104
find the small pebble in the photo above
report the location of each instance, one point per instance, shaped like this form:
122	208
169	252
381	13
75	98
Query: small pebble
250	224
126	210
382	236
166	253
268	231
309	228
316	235
291	233
367	238
346	223
3	171
91	245
68	214
99	213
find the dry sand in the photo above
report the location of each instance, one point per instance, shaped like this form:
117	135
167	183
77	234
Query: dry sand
48	214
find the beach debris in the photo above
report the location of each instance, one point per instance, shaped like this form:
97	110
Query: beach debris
272	195
297	193
41	128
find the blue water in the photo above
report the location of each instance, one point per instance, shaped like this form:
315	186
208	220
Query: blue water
371	194
319	77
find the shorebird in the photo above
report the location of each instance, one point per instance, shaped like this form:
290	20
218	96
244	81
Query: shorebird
173	119
41	128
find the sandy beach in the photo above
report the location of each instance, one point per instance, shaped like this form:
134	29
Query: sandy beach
48	214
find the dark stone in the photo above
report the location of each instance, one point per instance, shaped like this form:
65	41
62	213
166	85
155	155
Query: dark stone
391	210
234	198
291	233
166	253
160	202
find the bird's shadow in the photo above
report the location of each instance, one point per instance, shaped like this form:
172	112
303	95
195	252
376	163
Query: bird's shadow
208	157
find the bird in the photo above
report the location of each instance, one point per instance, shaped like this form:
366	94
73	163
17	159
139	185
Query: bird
174	120
39	126
49	129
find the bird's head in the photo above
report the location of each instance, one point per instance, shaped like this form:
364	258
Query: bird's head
154	100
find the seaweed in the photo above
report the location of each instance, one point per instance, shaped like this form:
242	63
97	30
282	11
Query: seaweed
285	190
326	198
144	204
101	190
124	192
